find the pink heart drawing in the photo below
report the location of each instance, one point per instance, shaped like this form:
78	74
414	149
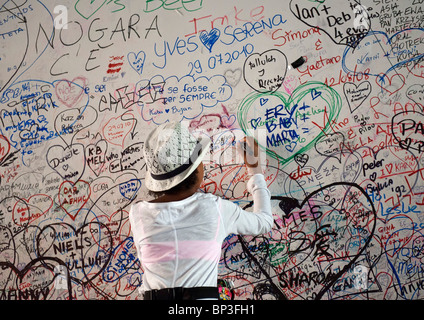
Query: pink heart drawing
70	92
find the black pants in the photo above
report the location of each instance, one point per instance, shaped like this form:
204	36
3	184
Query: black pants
182	293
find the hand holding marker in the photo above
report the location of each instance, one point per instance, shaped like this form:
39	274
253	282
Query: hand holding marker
250	153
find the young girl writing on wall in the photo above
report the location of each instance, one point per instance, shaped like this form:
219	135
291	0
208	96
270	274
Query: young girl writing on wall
179	234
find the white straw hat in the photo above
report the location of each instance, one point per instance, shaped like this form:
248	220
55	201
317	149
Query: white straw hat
172	153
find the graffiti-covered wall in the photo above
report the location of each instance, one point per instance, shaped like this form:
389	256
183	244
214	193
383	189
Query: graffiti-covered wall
332	90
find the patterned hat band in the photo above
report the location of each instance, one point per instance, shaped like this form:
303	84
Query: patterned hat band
193	157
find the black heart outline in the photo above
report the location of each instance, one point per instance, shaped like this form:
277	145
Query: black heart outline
294	203
78	235
21	273
259	55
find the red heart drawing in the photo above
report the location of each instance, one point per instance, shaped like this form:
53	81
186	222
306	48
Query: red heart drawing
4	147
409	160
116	130
73	197
28	210
70	92
116	225
390	84
394	240
417	69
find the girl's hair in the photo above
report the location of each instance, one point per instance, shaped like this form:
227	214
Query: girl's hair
184	185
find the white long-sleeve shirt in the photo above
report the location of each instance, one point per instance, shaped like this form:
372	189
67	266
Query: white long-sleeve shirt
179	243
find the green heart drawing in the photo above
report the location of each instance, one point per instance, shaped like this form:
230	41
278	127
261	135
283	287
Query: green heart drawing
90	9
287	125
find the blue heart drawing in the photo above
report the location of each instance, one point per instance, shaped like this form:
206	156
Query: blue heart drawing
209	38
263	101
315	94
291	146
129	188
137	61
255	122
